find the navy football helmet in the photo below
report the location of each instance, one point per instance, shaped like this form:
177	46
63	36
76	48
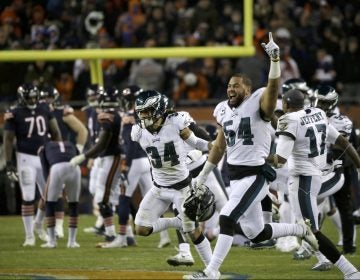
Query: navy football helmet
28	95
51	95
108	98
326	98
150	106
128	97
92	95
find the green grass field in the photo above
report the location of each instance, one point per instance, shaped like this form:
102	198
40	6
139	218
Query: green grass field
146	260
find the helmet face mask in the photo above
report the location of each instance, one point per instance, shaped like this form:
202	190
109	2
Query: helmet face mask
128	97
200	205
51	96
92	95
150	106
108	99
28	95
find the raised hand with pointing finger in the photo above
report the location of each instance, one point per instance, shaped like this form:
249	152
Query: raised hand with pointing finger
272	49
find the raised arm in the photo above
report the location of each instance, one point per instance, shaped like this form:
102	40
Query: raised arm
269	98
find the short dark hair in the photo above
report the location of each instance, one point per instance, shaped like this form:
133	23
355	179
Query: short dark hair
245	79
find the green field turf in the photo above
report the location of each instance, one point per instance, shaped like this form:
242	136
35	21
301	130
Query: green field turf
17	262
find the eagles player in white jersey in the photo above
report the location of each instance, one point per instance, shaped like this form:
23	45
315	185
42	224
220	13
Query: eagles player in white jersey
245	134
162	137
303	134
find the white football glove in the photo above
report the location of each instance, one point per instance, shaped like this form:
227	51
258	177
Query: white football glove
272	49
77	160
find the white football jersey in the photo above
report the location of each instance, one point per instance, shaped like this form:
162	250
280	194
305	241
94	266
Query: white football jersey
342	124
310	130
248	136
165	149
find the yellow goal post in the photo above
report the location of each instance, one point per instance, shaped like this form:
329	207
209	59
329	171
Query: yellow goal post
96	55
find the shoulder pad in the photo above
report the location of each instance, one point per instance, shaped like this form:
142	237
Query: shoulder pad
136	132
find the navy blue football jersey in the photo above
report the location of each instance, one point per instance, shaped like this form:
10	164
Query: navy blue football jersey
92	124
131	148
111	121
31	127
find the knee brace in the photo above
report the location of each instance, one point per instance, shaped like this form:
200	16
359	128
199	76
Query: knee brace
227	225
105	210
265	234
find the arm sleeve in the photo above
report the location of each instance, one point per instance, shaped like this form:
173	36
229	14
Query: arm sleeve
199	132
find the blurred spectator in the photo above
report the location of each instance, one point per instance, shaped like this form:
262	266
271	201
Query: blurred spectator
205	12
224	72
193	86
148	73
324	73
289	67
40	73
348	69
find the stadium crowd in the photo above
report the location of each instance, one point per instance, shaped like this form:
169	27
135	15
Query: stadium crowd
317	36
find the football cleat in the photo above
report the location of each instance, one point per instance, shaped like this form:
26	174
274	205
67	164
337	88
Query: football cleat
323	266
182	258
29	241
131	241
203	275
41	232
49	245
96	230
118	242
73	245
303	253
309	235
267	244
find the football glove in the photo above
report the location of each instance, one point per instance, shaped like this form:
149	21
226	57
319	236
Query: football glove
272	49
11	172
77	160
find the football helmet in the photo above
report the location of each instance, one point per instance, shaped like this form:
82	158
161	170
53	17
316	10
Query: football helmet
28	95
326	98
108	98
295	83
51	95
200	204
150	106
128	97
92	95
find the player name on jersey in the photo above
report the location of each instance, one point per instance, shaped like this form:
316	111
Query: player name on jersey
311	119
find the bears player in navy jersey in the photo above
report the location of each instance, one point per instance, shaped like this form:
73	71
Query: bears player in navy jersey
60	174
29	123
108	149
70	127
91	110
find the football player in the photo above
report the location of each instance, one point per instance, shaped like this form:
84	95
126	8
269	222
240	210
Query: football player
108	149
69	124
162	137
60	174
245	134
29	123
303	134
